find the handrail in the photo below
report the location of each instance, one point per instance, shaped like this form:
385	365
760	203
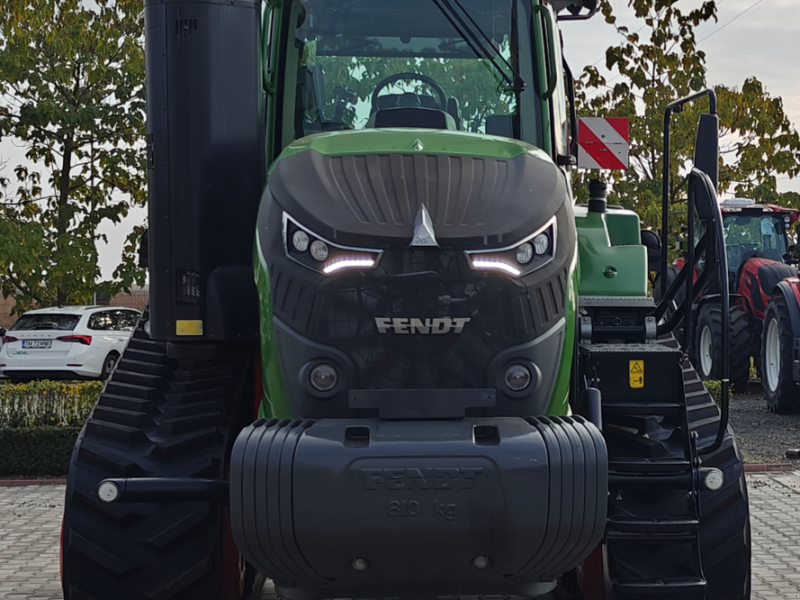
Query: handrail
715	255
698	177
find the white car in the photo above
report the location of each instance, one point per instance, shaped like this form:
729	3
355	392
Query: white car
71	342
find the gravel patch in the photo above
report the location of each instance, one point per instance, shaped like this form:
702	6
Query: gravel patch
763	437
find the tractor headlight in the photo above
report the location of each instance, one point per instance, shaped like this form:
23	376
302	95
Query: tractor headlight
525	256
310	250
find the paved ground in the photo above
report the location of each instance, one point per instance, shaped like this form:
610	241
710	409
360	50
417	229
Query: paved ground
763	437
30	519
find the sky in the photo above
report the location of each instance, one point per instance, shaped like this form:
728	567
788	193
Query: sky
751	38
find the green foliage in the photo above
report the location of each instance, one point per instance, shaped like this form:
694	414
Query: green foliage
37	451
661	63
715	390
47	403
72	94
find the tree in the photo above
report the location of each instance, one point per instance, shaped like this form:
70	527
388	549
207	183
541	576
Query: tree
72	94
661	62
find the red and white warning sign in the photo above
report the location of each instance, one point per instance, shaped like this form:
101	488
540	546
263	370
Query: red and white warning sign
603	143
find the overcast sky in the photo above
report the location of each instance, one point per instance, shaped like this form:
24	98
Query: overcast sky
752	38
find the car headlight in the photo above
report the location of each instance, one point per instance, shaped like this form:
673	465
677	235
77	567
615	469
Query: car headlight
525	256
310	250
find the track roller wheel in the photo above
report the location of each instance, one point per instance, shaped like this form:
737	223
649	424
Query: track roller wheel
780	390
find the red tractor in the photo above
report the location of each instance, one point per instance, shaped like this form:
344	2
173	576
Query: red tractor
765	304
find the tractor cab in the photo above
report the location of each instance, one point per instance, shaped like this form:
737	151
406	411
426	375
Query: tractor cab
469	66
756	231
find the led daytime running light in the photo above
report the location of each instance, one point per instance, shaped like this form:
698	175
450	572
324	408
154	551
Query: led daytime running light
495	264
345	262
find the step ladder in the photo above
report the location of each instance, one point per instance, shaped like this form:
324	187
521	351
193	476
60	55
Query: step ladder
652	532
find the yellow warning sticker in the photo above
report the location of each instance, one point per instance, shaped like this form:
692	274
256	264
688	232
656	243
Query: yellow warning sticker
636	373
188	328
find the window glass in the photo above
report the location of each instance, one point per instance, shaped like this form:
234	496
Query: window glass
60	322
126	320
761	235
362	57
101	321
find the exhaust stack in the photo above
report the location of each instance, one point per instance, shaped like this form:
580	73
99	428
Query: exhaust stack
206	171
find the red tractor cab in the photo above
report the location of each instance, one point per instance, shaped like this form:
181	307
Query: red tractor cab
765	303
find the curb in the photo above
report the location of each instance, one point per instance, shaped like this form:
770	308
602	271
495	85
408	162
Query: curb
21	482
768	468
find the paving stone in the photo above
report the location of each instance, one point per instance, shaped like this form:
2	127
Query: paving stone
30	523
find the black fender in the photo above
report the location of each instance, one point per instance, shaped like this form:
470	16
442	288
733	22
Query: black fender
790	288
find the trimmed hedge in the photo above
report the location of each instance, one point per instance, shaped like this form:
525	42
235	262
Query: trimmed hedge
47	403
40	422
36	450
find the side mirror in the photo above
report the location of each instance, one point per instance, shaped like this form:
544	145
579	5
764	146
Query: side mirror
706	148
2	331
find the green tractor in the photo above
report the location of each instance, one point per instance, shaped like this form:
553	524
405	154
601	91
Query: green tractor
386	355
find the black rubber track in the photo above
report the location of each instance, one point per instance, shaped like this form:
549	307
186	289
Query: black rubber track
783	400
725	544
739	343
156	417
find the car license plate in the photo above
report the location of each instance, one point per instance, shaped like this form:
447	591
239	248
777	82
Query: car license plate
36	343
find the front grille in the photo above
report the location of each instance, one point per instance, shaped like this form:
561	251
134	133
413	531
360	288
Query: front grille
425	285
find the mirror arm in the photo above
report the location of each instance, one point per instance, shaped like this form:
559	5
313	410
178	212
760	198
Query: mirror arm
676	106
665	192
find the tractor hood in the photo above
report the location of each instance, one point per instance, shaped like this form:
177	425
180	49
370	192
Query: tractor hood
369	186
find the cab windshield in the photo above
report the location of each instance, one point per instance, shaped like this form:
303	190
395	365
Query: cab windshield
762	235
436	64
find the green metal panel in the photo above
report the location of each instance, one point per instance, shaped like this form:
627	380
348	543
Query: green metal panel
273	403
425	141
609	268
559	403
623	227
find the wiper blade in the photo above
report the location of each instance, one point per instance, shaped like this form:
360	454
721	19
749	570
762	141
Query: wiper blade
477	39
